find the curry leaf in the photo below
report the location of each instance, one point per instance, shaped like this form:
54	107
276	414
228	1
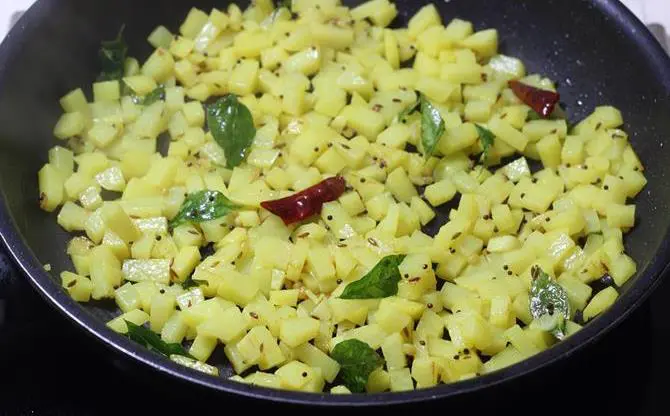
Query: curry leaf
402	116
533	115
112	56
432	126
380	282
189	283
232	127
285	3
203	206
153	341
549	303
357	360
486	138
157	94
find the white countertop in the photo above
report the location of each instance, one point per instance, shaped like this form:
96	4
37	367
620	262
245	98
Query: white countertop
655	13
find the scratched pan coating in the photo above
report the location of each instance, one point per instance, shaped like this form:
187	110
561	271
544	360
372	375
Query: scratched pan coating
596	50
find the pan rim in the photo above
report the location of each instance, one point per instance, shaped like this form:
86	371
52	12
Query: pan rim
47	287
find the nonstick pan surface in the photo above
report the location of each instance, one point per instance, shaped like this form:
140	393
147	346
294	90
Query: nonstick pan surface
596	49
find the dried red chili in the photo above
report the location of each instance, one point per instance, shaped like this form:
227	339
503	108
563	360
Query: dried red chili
541	101
308	202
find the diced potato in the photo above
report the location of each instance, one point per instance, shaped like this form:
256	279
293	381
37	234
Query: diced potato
50	184
237	288
440	192
400	186
155	270
105	272
483	43
72	217
226	325
160	37
79	287
70	125
135	316
378	381
401	380
119	222
314	357
600	302
393	353
506	358
505	132
185	262
426	17
620	216
75	101
106	91
194	364
292	375
296	331
202	347
162	307
159	66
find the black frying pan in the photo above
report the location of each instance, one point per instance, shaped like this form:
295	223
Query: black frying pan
596	49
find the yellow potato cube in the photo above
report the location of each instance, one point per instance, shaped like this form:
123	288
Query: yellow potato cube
272	354
226	325
378	381
159	66
106	91
79	287
193	24
320	262
70	125
391	319
238	288
287	297
292	375
119	222
72	217
401	380
296	331
440	192
600	302
127	297
521	341
202	347
484	43
162	307
428	16
549	149
620	216
426	372
622	268
75	101
194	114
505	132
244	78
136	316
50	184
105	272
462	73
364	120
185	262
186	73
399	184
155	270
351	202
314	357
111	179
135	164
